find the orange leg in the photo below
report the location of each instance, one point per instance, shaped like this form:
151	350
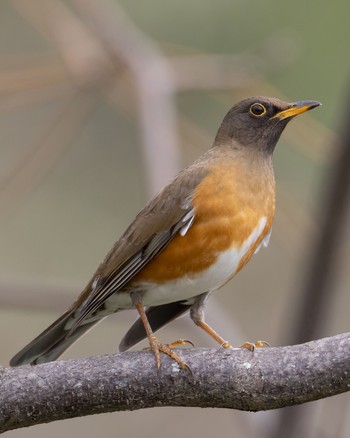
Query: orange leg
157	346
197	316
211	332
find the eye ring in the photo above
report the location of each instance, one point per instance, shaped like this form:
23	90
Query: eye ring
257	110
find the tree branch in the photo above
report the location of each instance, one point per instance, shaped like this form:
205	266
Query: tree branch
269	378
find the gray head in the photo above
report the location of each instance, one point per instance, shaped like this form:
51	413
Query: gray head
259	121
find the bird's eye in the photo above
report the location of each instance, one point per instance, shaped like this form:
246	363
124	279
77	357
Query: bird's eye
257	109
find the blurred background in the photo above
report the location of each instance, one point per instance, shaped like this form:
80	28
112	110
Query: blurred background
101	103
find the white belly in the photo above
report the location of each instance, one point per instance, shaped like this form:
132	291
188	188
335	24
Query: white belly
188	287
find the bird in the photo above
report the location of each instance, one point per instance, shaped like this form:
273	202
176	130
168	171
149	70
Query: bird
188	241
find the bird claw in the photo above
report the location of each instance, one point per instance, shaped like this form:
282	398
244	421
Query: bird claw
167	349
179	342
252	346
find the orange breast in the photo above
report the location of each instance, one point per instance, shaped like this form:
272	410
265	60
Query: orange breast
226	213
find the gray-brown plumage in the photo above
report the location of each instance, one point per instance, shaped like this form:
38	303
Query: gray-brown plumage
192	238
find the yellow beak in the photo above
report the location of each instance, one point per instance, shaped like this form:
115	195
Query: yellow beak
297	108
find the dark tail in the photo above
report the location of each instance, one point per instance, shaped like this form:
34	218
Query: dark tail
52	342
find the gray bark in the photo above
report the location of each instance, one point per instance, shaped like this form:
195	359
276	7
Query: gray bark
267	378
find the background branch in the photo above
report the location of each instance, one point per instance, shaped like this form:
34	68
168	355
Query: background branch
237	379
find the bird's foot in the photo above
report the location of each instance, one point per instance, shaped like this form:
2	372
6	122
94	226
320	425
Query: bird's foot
226	344
252	346
179	342
158	347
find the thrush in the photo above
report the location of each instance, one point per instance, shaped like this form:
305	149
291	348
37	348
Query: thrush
188	241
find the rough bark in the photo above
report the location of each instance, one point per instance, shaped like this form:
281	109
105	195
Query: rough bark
267	378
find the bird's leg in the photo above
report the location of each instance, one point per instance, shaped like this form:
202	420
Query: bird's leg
211	332
248	345
155	345
197	316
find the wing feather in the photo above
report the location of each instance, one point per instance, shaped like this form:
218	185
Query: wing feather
120	276
169	213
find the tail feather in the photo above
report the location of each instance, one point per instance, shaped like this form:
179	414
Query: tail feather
52	342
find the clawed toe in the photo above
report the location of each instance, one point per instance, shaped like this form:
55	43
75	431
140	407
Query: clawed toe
167	349
179	342
252	346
